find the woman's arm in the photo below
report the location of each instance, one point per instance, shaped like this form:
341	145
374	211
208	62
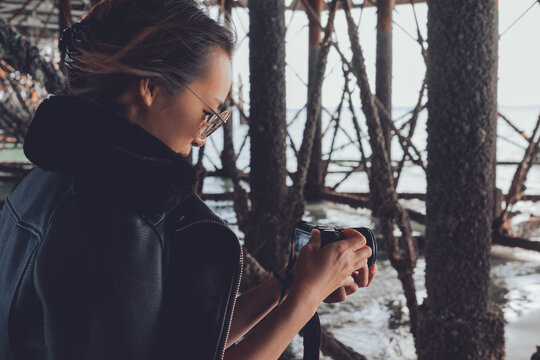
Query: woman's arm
269	339
253	305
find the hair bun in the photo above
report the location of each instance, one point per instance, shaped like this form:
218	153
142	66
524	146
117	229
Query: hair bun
74	34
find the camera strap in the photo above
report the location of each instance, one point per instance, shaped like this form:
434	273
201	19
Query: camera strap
312	338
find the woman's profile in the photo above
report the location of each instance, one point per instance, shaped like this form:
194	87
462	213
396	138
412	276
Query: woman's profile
106	252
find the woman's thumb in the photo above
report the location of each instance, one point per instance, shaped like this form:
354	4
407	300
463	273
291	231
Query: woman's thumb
315	240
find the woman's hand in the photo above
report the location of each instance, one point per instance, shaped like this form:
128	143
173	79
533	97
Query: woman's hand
318	272
321	272
358	279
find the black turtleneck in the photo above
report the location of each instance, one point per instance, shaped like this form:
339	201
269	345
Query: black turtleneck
100	147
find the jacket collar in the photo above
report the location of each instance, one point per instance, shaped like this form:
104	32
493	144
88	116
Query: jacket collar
101	148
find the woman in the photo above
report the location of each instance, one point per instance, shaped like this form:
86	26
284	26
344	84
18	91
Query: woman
105	251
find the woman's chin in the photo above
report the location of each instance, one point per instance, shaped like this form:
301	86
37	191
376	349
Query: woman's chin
184	151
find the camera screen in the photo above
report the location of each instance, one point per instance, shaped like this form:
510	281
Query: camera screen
301	238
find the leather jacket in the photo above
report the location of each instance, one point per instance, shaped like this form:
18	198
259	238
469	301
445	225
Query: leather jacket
105	251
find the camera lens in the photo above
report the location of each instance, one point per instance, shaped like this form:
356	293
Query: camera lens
370	241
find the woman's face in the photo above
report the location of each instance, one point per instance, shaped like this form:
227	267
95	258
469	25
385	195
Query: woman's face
176	120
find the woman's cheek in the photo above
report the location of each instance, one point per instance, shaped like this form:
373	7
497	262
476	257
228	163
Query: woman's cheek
189	128
197	128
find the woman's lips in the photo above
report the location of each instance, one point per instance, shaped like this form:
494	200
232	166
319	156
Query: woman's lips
198	142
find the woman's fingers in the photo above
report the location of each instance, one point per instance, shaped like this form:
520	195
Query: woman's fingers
354	239
349	281
362	278
338	295
354	286
365	275
358	279
341	294
361	256
372	273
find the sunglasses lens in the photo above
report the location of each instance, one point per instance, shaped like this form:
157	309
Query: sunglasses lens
213	123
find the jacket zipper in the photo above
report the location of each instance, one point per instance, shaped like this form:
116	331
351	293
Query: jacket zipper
236	284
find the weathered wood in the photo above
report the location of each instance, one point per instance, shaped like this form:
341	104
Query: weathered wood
296	195
457	320
517	186
383	64
511	241
228	156
330	346
265	238
422	196
516	129
412	126
16	110
16	168
511	163
41	12
357	200
402	253
225	173
336	119
536	355
364	4
17	51
314	178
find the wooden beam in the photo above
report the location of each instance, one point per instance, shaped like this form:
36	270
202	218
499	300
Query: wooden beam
366	3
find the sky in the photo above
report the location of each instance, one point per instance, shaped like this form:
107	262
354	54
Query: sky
519	54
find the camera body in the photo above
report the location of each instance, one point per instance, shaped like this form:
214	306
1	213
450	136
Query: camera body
302	234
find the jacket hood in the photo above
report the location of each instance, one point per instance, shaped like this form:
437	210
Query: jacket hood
73	135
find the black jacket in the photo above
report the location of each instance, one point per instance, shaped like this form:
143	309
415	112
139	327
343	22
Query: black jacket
105	251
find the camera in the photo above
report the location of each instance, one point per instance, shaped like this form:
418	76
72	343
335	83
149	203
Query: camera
302	234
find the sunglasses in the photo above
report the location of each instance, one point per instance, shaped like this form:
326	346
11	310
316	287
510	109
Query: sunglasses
213	121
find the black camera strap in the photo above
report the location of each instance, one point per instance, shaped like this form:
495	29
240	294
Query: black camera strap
312	338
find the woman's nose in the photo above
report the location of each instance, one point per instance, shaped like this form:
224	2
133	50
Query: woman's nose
198	142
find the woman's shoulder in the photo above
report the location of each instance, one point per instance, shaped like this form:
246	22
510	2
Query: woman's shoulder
195	212
43	198
35	198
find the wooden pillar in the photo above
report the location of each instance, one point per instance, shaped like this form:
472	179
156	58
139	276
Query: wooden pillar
383	64
265	239
383	84
314	180
458	319
228	157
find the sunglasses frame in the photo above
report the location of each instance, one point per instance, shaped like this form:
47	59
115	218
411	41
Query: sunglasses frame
207	127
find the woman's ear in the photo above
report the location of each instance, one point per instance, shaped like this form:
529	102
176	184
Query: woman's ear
147	90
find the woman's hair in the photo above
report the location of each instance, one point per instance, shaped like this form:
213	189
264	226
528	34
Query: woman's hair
119	42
